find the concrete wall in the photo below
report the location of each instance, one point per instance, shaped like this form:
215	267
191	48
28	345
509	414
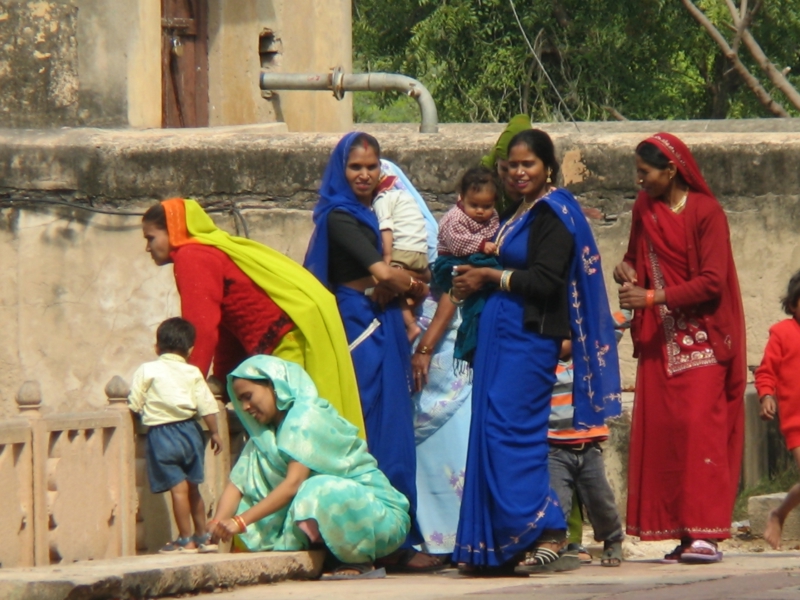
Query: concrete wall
98	62
80	299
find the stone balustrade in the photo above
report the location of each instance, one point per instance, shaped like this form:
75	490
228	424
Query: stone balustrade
74	484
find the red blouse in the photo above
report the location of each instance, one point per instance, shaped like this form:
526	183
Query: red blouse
234	318
778	375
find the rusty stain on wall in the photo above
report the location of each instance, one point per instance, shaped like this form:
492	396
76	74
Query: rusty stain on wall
573	168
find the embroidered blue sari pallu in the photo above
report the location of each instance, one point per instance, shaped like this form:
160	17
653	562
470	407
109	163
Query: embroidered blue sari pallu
508	502
377	338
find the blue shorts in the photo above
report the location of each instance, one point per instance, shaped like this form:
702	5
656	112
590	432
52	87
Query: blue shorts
174	454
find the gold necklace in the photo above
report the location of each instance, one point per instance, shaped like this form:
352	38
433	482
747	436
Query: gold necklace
523	208
680	205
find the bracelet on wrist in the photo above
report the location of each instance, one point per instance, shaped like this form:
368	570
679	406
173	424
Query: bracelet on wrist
650	299
422	349
505	281
240	522
453	299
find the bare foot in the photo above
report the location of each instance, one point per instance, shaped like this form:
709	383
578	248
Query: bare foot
772	534
413	331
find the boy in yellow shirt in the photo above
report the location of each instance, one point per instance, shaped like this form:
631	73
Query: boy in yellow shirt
170	394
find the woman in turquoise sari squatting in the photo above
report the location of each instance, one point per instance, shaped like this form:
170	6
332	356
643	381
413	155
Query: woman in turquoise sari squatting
304	477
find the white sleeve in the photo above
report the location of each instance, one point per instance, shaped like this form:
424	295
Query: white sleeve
138	389
383	206
204	399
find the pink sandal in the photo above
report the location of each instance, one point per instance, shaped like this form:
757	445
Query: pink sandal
701	551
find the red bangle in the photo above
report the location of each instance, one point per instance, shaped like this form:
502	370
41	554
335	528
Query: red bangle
650	299
240	522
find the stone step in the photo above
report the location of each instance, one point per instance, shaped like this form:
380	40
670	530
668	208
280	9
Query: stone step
158	575
759	507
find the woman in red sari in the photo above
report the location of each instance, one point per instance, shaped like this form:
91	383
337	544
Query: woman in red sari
688	333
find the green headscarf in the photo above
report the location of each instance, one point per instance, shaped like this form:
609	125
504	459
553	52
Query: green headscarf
500	150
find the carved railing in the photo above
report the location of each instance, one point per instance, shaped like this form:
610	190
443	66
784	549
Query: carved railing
16	481
73	485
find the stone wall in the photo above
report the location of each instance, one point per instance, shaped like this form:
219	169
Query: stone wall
98	62
80	299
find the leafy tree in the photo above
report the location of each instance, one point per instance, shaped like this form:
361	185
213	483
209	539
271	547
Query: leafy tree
587	59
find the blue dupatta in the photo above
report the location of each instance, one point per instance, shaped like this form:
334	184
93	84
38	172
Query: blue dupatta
597	390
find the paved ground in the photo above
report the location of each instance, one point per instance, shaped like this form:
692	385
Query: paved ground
762	576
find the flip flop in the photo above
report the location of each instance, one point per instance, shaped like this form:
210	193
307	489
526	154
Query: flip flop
365	571
701	551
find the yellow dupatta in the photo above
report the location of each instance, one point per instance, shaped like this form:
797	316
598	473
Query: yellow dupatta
295	290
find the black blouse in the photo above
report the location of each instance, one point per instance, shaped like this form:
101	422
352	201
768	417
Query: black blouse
352	248
544	285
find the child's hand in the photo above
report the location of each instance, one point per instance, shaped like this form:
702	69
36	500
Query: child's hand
489	248
216	443
769	408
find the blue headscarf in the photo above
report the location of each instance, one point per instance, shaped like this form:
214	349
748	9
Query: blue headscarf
596	389
335	193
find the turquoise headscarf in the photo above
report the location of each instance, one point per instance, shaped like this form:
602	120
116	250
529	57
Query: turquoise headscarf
296	394
360	515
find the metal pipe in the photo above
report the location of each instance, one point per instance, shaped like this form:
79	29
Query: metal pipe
338	82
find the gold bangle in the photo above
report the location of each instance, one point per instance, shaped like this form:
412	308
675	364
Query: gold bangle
453	299
505	281
422	349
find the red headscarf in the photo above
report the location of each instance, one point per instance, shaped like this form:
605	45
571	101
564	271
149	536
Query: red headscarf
679	154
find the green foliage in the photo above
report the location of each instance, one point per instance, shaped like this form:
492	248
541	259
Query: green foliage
647	59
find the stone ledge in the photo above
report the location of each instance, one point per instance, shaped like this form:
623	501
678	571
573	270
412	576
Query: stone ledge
154	576
758	509
259	163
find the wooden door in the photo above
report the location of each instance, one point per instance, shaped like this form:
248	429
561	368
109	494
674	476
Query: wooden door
184	63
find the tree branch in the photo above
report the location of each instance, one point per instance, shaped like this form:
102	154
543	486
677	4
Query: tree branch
763	95
775	76
614	113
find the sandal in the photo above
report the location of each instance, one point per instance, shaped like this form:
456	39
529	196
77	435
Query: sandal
363	571
204	545
404	557
674	556
612	554
701	551
179	546
544	560
583	553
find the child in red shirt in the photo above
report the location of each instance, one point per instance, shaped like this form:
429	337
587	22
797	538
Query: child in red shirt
778	386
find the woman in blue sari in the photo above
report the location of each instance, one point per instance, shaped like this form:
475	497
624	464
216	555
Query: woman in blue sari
551	289
345	253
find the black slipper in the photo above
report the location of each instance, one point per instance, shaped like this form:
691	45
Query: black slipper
405	556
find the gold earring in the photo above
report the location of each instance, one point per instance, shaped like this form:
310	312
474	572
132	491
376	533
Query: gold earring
641	181
549	176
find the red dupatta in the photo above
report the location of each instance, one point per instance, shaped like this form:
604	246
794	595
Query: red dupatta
675	245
